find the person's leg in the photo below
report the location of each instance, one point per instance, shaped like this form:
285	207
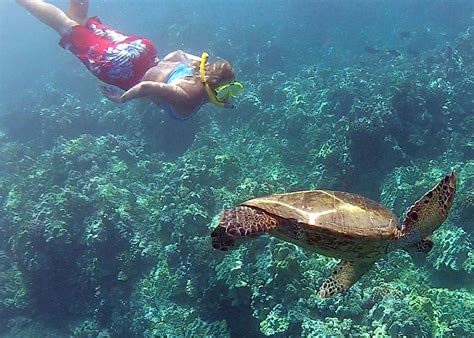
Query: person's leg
78	11
49	14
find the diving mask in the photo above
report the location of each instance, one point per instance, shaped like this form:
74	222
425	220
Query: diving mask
229	91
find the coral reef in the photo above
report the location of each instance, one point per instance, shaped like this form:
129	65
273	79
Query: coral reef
452	249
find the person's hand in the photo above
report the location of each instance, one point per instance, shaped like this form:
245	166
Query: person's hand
112	93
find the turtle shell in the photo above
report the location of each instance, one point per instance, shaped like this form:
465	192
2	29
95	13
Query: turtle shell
338	213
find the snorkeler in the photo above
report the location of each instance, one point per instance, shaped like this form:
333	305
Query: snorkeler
180	83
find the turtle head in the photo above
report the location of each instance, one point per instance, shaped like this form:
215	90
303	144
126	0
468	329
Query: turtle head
221	240
227	235
430	211
239	224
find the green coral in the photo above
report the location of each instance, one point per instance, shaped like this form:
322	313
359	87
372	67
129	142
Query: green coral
329	327
468	265
13	291
275	322
452	311
230	269
451	250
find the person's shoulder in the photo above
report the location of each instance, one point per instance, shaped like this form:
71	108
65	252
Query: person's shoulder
173	56
182	56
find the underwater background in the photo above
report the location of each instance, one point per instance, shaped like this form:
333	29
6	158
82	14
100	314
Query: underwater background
106	210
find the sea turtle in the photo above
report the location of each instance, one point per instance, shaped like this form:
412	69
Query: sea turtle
337	224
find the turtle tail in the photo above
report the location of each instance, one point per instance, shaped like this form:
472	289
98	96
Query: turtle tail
238	224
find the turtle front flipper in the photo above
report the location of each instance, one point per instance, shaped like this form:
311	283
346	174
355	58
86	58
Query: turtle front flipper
343	277
419	250
430	211
423	246
239	224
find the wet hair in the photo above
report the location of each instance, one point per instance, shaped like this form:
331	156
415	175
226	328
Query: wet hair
218	73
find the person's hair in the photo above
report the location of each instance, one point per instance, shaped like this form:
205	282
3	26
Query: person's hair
218	73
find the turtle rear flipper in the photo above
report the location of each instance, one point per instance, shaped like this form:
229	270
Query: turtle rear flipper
430	211
239	224
343	277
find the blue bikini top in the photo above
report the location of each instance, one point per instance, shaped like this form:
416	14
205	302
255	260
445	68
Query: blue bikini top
181	71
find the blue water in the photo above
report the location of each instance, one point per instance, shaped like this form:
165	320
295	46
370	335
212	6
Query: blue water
300	32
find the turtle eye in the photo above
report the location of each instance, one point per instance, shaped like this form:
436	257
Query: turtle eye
414	215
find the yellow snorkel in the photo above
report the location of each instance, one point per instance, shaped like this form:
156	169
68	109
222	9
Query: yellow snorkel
223	94
202	73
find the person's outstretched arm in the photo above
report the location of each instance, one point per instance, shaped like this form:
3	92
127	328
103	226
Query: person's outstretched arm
161	91
157	90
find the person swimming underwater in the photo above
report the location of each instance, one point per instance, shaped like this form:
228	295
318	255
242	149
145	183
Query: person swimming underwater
180	83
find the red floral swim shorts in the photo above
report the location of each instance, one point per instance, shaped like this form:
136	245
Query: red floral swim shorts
115	58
